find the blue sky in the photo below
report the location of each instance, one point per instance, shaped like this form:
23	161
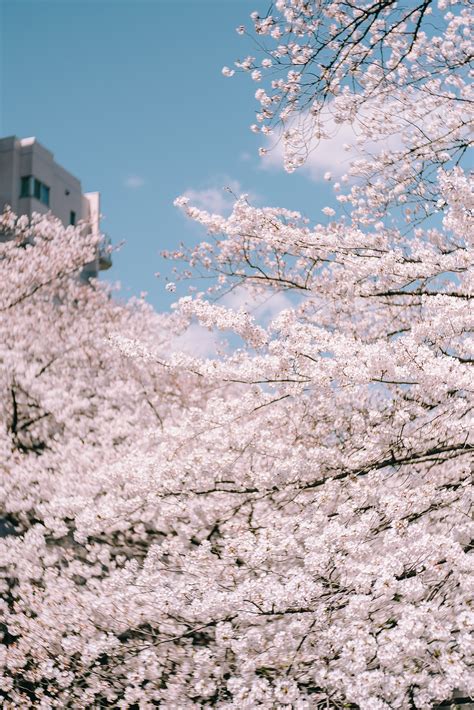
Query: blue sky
129	96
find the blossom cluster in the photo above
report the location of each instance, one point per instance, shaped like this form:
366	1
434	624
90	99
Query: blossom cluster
396	73
287	524
284	526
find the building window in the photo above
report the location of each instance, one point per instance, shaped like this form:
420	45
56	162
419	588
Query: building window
44	198
25	186
72	218
32	187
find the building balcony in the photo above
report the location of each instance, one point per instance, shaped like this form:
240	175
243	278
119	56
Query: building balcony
105	253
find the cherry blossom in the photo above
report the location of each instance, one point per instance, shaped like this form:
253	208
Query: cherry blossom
287	522
397	73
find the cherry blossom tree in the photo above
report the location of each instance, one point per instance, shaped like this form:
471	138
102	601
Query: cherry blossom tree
396	72
354	460
287	524
70	403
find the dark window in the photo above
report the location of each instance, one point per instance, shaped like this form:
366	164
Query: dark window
44	195
72	217
32	187
25	186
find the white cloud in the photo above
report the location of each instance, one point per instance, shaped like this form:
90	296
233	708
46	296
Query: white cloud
328	154
198	341
263	306
219	196
217	200
134	182
335	153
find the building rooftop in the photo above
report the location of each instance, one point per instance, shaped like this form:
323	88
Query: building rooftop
32	181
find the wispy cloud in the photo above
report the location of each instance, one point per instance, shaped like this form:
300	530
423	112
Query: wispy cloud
344	144
219	196
329	154
215	199
197	341
263	306
245	156
134	182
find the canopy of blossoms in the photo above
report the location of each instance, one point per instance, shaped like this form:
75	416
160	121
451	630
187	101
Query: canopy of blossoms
287	524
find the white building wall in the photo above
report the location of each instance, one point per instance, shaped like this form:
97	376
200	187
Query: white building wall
9	173
21	158
27	157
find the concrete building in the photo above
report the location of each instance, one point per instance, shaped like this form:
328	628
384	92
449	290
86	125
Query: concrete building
32	181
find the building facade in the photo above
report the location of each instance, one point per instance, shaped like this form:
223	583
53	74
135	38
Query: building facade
32	181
